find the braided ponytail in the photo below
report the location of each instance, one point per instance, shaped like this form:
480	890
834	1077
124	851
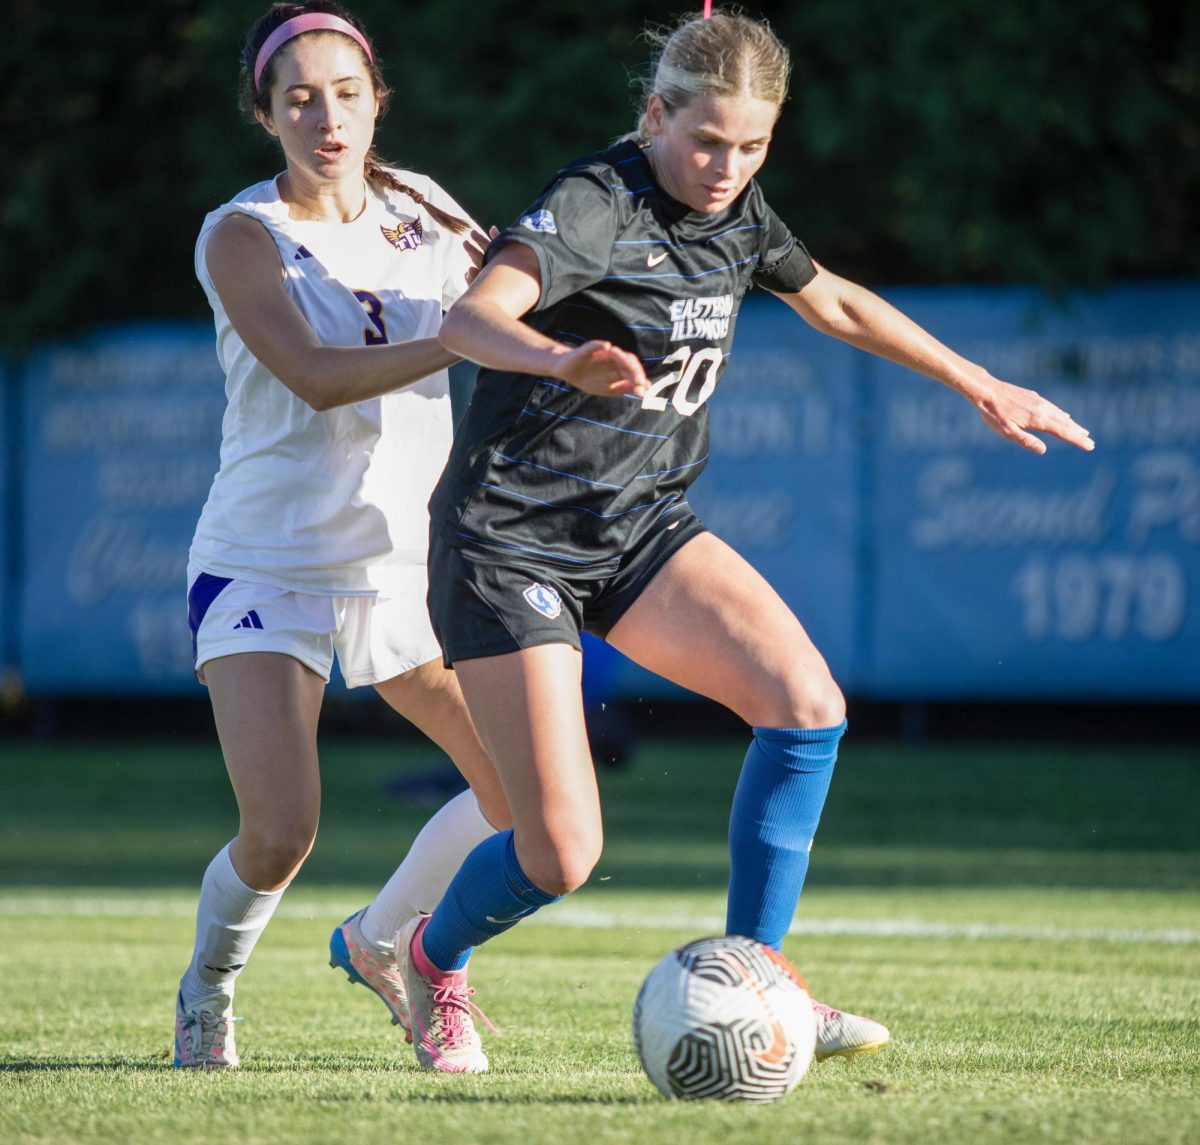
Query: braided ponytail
379	176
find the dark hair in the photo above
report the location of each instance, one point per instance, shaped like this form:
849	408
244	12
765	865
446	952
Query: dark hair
375	169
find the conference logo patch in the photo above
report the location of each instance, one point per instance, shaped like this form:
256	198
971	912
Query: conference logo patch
540	221
542	598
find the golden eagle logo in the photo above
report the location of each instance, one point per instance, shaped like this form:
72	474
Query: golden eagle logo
407	236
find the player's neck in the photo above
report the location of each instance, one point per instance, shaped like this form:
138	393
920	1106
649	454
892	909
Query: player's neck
322	202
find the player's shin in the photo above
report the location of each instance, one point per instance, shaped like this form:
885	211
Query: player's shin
421	879
490	894
229	919
776	809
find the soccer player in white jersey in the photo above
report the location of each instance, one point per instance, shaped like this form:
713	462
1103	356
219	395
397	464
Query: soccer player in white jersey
328	284
602	319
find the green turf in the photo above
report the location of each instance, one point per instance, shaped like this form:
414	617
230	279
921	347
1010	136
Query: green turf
1027	922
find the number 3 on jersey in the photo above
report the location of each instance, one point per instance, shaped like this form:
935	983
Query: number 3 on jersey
373	305
690	365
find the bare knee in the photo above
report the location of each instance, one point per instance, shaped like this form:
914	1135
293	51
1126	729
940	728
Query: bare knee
494	808
268	857
802	699
559	867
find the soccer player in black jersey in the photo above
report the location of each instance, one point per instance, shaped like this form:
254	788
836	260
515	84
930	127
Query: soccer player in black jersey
602	319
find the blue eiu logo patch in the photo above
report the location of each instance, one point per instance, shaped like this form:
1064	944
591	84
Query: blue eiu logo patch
542	598
540	221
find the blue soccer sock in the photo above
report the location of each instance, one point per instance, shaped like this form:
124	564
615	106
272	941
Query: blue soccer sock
489	895
776	809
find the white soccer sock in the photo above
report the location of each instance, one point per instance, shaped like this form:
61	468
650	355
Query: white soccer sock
229	918
432	861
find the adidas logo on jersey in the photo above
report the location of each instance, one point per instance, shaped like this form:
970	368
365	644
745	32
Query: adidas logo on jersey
250	620
701	318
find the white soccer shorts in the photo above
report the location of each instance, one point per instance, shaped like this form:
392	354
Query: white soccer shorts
375	638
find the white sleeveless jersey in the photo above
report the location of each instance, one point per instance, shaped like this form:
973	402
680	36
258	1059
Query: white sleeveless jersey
334	502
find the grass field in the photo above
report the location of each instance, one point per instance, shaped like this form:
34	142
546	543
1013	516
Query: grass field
1026	920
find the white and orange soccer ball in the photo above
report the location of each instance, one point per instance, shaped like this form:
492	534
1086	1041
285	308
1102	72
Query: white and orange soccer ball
724	1018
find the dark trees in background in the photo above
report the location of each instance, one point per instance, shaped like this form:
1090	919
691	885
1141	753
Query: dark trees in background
952	140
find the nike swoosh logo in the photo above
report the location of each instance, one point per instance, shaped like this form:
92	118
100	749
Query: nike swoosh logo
654	260
777	1051
519	914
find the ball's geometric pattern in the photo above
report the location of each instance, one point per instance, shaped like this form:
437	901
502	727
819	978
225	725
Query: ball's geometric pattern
724	1018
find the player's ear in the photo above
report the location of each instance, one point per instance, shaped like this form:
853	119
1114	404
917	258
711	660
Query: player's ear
656	114
265	120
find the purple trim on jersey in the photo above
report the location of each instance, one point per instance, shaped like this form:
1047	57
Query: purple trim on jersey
203	592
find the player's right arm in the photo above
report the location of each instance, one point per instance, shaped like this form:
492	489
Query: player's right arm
485	326
243	263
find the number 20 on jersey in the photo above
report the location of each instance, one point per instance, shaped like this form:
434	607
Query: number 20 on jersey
687	366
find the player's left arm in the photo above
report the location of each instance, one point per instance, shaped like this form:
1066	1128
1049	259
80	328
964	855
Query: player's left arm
845	310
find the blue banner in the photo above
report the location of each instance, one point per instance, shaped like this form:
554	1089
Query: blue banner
782	481
998	573
122	433
926	557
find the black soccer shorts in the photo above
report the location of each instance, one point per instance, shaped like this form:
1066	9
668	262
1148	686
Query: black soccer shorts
486	601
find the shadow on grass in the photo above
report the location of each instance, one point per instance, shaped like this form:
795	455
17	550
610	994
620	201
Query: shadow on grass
115	1065
505	1099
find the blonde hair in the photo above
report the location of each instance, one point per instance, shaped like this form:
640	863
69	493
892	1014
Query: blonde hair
729	54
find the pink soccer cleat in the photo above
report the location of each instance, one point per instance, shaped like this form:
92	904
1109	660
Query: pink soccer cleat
204	1034
368	966
440	1008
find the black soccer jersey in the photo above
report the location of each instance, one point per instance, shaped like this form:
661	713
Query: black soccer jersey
545	469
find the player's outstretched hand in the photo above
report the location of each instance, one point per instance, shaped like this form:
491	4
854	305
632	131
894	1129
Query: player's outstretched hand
603	370
1016	414
475	244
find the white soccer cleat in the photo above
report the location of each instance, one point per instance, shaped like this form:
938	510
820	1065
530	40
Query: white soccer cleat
439	1008
204	1034
367	966
842	1035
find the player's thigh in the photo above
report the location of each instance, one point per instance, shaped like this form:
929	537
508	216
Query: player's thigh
430	698
711	623
266	706
528	710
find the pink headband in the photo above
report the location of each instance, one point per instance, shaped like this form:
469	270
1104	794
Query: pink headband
297	26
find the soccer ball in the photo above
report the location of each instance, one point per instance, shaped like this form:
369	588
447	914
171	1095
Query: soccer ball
724	1018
